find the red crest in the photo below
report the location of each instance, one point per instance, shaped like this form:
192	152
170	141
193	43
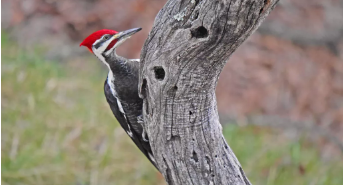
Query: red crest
88	42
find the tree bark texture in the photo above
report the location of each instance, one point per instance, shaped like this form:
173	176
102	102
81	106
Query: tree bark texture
187	48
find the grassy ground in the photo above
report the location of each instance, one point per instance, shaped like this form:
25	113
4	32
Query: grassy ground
58	129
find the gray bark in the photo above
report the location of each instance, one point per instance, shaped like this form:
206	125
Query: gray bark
189	44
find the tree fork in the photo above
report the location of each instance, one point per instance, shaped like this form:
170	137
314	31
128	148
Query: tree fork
181	60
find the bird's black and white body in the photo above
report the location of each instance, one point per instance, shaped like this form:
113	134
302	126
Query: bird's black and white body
121	87
121	91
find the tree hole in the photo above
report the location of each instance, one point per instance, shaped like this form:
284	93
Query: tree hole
195	156
174	89
143	88
200	32
159	73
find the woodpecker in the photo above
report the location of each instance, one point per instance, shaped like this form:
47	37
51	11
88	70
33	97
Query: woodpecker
121	85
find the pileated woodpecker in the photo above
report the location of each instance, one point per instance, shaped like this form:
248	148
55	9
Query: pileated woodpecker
121	85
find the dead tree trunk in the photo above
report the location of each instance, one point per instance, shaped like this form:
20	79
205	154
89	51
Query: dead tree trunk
181	60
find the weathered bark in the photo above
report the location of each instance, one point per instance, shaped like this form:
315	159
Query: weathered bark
182	58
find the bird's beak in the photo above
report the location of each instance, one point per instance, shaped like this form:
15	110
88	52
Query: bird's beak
121	37
126	34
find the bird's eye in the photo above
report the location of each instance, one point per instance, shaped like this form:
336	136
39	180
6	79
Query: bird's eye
106	37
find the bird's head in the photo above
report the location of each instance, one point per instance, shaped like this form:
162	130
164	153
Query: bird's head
103	42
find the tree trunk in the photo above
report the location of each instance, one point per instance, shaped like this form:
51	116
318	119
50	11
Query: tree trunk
181	60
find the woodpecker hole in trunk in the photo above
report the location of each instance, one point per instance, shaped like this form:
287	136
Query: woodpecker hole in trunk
143	88
159	73
200	32
195	156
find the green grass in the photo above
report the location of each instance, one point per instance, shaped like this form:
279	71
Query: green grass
58	129
270	158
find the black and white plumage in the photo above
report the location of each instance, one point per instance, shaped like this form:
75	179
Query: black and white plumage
124	100
121	85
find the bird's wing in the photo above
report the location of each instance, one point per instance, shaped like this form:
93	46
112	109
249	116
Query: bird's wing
137	138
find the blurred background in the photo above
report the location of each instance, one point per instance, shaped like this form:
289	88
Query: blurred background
280	96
